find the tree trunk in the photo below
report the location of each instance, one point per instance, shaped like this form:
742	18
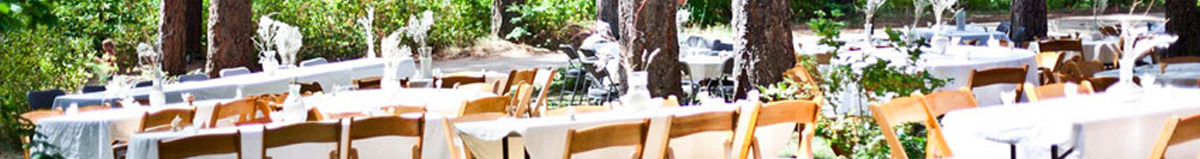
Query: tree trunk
762	42
230	29
647	25
1184	18
606	11
1030	14
180	32
502	19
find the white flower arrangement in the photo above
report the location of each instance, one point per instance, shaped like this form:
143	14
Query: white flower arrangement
391	48
277	40
918	8
368	31
939	7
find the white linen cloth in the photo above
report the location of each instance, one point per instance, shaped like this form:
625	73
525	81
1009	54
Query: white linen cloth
1179	75
90	134
1096	126
702	66
957	65
1103	50
329	76
545	137
971	32
440	103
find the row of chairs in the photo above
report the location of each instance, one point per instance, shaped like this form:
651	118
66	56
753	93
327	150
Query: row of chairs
300	133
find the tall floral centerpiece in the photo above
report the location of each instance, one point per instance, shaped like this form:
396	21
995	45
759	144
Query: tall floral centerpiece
368	31
1097	9
393	53
151	61
278	43
918	9
418	30
869	10
939	7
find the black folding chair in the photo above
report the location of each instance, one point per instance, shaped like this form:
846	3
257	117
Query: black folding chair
43	99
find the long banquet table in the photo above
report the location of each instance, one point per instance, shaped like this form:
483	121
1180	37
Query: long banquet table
328	75
958	63
1180	75
1107	125
545	137
89	134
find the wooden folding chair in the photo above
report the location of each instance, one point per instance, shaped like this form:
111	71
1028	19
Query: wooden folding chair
718	121
1100	84
905	110
671	101
516	77
246	110
391	125
543	95
608	135
160	120
94	108
299	133
308	89
404	109
34	116
1051	91
369	83
1162	65
1177	130
200	145
1002	75
452	80
521	99
942	102
803	113
497	104
582	109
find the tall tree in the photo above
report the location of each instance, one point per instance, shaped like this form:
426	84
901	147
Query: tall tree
180	31
230	30
1184	17
762	42
1030	14
606	11
648	25
502	19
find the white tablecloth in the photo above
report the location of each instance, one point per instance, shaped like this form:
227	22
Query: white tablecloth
328	75
1103	50
90	134
545	137
441	103
1097	126
960	61
1179	75
970	33
703	67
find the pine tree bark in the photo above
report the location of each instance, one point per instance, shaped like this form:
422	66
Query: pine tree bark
1184	19
502	19
647	25
1030	14
230	30
762	42
180	31
606	11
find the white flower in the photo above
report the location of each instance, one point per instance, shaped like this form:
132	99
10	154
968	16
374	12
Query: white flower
391	46
288	41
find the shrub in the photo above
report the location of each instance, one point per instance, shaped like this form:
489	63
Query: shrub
30	61
548	23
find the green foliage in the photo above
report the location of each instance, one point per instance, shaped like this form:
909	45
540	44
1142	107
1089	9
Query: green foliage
828	29
709	12
330	30
19	14
30	61
859	137
787	89
547	23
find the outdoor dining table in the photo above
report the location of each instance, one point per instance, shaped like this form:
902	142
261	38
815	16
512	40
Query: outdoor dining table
330	76
705	66
957	65
89	134
1178	75
1106	125
545	137
970	32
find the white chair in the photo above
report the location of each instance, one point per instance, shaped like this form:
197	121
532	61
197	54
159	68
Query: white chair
229	72
193	78
313	62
